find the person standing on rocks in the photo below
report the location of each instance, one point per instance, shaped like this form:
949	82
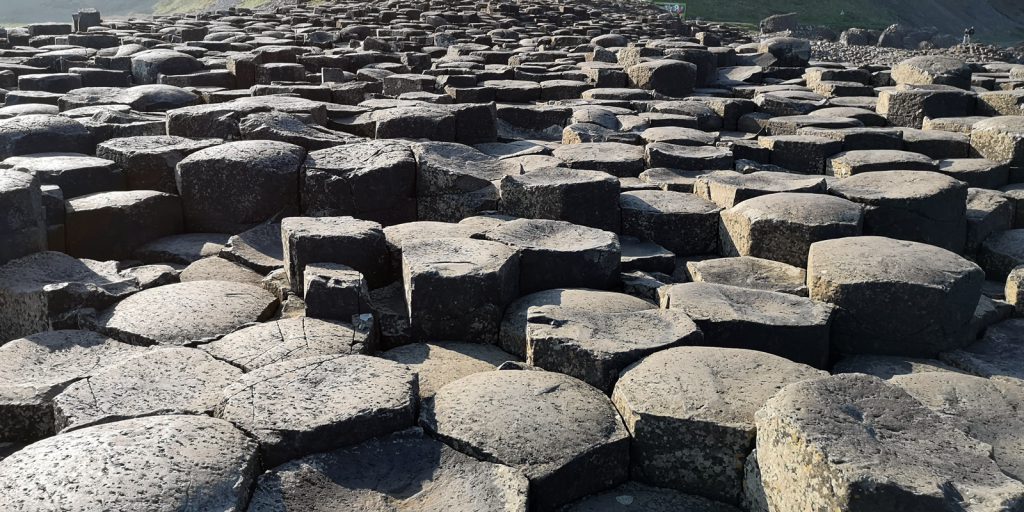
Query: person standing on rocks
968	33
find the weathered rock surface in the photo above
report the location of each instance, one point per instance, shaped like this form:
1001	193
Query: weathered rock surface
894	297
456	289
786	325
293	338
48	290
595	346
302	406
512	337
855	442
437	364
155	382
585	448
215	308
559	254
403	471
36	368
160	463
690	411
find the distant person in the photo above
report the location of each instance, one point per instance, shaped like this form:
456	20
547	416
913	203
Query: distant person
968	33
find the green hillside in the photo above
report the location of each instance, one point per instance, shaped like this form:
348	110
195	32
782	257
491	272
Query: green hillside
995	20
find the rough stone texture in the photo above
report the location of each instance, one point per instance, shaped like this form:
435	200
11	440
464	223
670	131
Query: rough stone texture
729	188
908	105
668	77
259	248
456	289
646	256
850	163
512	338
988	212
933	69
887	367
783	226
854	442
396	236
236	186
183	249
373	180
559	254
584	449
595	346
159	463
216	268
682	223
41	133
23	228
455	181
633	496
614	158
334	291
148	162
111	225
48	290
587	198
1001	252
155	382
438	364
996	356
75	174
690	411
796	328
1000	139
894	297
314	404
214	309
984	409
403	471
919	206
36	368
292	338
357	243
750	272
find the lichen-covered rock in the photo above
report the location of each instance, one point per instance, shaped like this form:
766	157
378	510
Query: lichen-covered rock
403	471
36	368
690	411
595	346
854	442
155	382
437	364
512	338
584	447
894	297
158	463
292	338
314	404
48	290
213	309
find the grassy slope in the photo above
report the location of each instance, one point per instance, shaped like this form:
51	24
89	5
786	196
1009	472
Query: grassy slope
860	13
995	20
181	6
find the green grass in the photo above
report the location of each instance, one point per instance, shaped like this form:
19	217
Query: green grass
840	14
181	6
